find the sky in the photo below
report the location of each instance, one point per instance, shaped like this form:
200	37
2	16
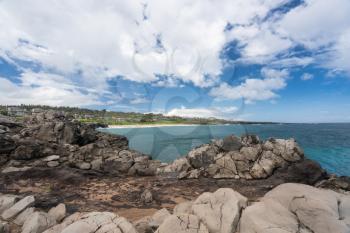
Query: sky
256	60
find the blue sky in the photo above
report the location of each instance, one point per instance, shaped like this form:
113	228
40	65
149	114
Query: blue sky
260	60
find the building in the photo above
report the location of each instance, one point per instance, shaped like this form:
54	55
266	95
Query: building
37	110
16	111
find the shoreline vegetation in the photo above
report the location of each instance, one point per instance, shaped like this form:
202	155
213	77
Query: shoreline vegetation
119	119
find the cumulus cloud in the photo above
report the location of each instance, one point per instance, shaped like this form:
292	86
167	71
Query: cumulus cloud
171	43
224	113
134	39
306	77
253	89
45	89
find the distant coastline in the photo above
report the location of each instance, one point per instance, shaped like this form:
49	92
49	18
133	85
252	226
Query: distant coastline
171	125
147	125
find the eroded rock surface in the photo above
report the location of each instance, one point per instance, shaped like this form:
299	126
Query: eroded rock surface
54	139
246	157
288	208
298	208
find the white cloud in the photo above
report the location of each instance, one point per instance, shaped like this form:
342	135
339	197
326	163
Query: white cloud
139	100
253	89
307	25
45	89
179	42
98	39
306	77
223	113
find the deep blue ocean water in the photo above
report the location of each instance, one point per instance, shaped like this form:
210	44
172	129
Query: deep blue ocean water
329	144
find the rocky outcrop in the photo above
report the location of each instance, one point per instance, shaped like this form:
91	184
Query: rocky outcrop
246	157
54	139
289	208
292	208
298	208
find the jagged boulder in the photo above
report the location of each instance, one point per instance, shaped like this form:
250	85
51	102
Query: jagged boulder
220	211
144	166
202	156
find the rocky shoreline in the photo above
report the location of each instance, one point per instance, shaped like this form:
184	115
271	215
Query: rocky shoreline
50	161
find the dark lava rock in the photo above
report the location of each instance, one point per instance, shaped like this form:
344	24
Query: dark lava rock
5	121
28	149
232	143
306	171
7	145
250	139
335	182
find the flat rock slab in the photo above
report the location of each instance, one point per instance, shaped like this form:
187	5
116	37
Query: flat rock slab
6	201
18	207
15	169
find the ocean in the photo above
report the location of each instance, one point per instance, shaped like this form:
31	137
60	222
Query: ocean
329	144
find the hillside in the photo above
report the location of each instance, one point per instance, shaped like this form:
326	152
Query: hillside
113	117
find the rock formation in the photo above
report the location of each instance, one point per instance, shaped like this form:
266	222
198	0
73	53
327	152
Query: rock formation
53	139
292	208
246	157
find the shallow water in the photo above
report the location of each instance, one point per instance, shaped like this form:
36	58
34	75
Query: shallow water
329	144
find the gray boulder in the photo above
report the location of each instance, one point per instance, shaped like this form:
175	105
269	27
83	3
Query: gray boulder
269	216
220	211
145	167
202	156
318	210
58	213
183	208
183	223
94	222
38	222
158	218
296	208
226	166
251	153
22	217
288	149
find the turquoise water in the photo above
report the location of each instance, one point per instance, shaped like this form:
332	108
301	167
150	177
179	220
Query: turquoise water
329	144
